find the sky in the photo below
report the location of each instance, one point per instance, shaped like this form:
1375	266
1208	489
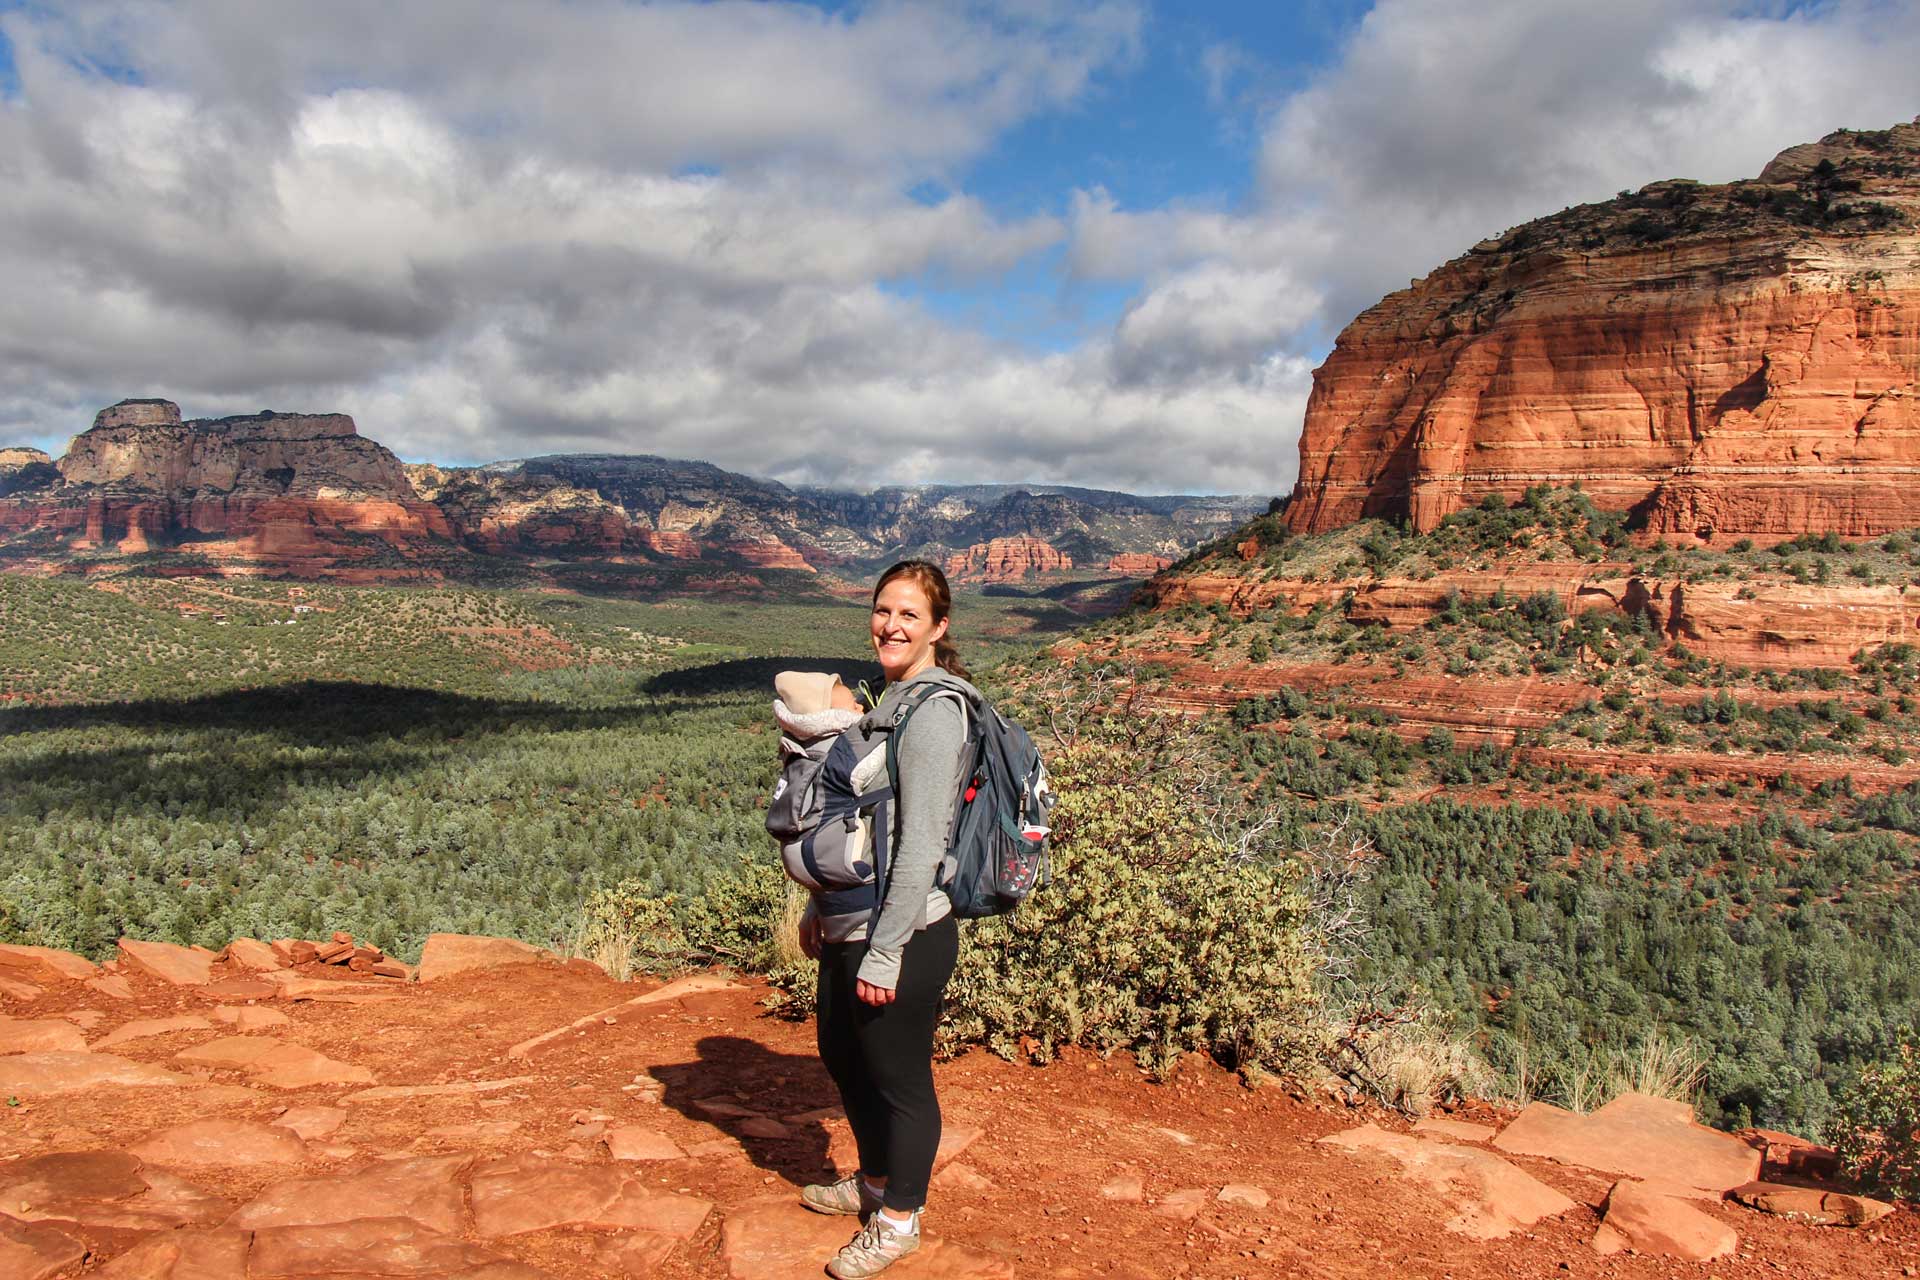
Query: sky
1100	242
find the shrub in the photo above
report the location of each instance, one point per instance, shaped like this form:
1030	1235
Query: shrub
1878	1131
1153	937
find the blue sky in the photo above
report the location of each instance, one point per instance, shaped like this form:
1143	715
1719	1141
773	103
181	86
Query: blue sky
1089	241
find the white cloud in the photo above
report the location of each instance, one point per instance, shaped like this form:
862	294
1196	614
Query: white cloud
673	227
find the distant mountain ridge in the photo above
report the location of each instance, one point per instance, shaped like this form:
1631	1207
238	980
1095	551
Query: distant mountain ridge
274	492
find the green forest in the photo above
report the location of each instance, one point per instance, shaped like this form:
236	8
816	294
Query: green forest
193	761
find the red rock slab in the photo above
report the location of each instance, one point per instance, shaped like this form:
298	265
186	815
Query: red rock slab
40	1035
476	1132
253	954
1811	1204
237	989
36	1250
142	1028
963	1176
14	989
180	966
111	985
633	1253
311	1123
45	964
954	1142
103	1189
694	984
249	1017
775	1239
221	1143
383	1247
231	1053
446	954
294	986
452	1089
274	1062
1638	1218
191	1254
425	1189
1790	1153
1184	1205
1490	1198
631	1142
1642	1137
47	1073
530	1193
1455	1130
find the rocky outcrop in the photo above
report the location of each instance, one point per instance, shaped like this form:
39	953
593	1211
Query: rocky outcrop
1137	565
22	470
1776	625
1006	560
1721	360
299	492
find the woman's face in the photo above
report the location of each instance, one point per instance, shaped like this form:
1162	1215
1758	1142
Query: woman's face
904	630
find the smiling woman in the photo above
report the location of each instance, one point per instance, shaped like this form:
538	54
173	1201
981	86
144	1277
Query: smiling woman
882	978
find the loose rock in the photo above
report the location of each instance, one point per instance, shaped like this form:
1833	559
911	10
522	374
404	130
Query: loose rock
1647	1222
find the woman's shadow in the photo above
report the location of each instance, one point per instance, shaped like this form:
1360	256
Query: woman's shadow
739	1085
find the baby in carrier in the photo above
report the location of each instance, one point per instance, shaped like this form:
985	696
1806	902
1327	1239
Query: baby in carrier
824	803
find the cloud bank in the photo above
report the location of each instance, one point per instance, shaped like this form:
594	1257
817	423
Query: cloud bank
682	228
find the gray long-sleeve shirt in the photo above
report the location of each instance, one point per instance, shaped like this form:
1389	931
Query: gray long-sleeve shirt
928	756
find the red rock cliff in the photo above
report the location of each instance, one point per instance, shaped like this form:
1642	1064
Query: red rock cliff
290	489
1006	560
1737	359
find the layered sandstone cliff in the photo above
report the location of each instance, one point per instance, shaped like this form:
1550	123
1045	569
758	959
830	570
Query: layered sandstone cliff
1780	626
1722	360
299	490
1006	560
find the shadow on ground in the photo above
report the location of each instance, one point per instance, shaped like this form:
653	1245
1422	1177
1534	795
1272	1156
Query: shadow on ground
732	1071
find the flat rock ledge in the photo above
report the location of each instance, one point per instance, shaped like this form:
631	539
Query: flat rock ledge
1490	1198
1636	1136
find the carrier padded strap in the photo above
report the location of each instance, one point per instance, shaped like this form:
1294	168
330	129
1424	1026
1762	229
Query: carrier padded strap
882	832
844	902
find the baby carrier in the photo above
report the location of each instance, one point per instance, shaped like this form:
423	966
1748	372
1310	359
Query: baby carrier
832	817
832	810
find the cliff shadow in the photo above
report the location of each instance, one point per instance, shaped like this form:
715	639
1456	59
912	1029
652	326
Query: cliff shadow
754	675
734	1079
246	750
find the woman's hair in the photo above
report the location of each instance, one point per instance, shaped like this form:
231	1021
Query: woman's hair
927	576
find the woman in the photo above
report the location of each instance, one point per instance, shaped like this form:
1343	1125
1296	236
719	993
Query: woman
879	996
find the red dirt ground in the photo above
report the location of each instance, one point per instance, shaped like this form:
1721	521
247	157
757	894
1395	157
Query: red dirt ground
1050	1137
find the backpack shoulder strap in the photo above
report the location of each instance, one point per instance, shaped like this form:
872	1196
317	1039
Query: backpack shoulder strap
910	703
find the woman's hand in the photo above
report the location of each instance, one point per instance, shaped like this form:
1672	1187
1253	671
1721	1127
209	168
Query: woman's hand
870	994
810	936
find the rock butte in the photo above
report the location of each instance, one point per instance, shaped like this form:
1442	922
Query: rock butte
1006	560
1723	360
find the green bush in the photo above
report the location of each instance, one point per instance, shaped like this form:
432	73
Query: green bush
1878	1130
1151	937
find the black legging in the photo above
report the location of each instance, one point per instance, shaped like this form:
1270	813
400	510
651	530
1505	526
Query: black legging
881	1056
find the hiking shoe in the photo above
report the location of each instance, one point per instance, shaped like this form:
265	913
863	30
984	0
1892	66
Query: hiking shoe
849	1196
877	1247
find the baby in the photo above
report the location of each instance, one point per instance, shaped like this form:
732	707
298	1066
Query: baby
809	705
